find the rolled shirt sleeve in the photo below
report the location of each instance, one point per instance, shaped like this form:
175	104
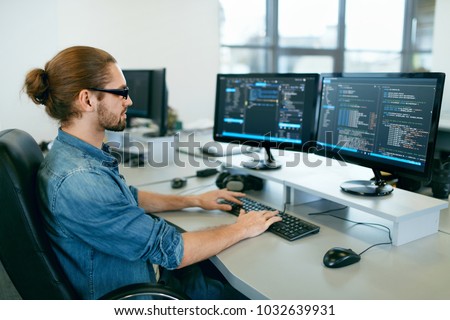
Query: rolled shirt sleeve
102	212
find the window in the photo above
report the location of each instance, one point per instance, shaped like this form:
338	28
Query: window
308	24
326	35
373	35
243	22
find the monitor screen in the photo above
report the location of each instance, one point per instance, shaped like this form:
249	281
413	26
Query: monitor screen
387	122
266	110
148	91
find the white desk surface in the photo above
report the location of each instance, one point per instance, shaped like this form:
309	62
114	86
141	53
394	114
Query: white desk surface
268	267
444	123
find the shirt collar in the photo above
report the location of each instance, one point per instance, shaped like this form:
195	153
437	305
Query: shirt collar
103	154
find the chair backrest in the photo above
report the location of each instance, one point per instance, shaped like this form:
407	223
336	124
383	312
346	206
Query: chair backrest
24	246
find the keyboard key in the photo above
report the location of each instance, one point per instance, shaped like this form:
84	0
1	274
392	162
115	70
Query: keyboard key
290	228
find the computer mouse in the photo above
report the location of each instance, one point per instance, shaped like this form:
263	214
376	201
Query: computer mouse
178	183
340	257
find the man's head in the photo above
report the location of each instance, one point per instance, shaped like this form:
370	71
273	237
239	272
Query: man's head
80	79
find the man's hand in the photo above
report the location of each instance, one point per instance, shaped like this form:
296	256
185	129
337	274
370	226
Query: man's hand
201	245
209	200
256	222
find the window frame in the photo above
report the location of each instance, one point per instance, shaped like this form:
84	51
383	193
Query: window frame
274	51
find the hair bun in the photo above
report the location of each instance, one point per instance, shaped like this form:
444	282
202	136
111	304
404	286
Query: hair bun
37	86
44	77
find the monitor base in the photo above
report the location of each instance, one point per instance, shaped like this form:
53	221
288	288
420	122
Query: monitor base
366	188
261	165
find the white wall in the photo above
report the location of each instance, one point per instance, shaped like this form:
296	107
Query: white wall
28	38
441	51
181	35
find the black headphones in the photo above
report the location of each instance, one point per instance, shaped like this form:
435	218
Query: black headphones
238	182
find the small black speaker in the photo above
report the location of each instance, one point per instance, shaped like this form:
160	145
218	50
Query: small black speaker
238	182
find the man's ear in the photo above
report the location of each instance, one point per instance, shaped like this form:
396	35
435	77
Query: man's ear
85	100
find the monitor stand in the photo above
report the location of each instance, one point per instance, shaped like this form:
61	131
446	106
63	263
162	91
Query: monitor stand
269	163
377	187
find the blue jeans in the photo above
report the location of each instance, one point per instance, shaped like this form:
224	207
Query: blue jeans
200	281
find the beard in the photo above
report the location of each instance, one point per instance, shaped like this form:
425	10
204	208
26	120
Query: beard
110	121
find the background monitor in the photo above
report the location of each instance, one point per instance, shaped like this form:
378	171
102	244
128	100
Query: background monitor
266	110
148	91
384	121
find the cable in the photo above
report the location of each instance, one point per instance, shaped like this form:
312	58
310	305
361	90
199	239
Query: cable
284	207
199	174
151	183
326	211
445	232
316	213
194	189
356	223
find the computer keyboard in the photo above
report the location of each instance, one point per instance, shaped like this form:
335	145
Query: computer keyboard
290	228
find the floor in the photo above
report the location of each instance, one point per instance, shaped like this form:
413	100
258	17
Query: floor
7	290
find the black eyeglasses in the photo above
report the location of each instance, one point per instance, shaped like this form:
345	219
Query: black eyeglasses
119	92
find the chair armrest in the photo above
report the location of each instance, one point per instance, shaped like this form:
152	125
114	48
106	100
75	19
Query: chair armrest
157	291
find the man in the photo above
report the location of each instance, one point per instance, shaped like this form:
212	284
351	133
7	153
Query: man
97	224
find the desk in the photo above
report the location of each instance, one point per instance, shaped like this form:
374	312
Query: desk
268	267
307	176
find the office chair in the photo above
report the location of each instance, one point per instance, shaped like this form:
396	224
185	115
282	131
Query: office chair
25	249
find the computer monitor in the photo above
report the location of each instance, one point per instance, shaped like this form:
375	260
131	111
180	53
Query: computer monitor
266	110
385	121
148	91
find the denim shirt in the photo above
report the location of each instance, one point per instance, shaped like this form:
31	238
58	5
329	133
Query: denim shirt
101	237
